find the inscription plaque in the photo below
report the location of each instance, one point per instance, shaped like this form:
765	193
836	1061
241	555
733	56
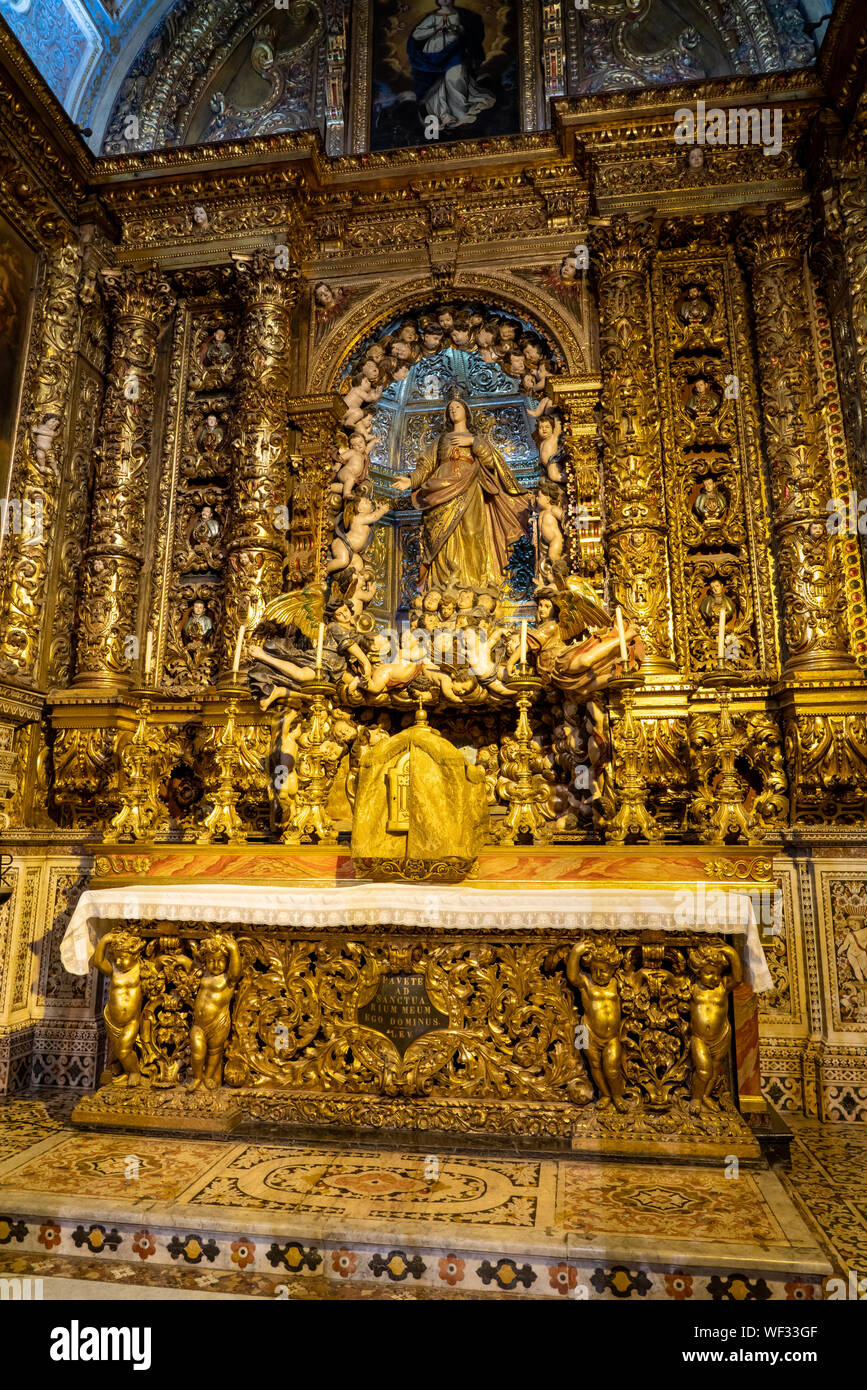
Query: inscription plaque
401	1010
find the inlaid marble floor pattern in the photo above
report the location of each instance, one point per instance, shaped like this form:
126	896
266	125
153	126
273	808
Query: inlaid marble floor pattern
503	1196
828	1180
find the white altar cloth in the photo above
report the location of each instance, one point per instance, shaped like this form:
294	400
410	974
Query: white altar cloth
356	903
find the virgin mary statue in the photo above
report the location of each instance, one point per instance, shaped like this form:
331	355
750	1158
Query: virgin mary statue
472	508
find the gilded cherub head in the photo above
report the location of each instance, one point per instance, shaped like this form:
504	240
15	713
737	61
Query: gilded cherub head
708	964
604	960
125	949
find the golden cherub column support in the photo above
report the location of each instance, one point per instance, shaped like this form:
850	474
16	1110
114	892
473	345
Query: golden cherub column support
141	302
636	528
256	545
118	955
773	242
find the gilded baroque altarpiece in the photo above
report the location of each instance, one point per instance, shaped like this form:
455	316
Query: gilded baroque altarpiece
239	353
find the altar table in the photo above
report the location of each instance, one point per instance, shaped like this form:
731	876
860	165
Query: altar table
566	911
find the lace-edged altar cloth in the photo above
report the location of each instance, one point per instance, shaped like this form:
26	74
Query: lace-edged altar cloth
460	908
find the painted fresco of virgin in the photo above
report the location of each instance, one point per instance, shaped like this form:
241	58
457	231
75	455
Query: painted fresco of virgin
473	509
446	51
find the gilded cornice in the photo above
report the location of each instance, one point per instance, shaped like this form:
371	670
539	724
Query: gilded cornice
616	146
634	164
35	126
258	156
609	111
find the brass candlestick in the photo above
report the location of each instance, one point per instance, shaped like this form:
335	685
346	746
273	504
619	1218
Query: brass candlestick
525	790
315	767
139	809
223	819
632	816
728	817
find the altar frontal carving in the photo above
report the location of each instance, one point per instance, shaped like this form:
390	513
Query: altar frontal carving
619	1041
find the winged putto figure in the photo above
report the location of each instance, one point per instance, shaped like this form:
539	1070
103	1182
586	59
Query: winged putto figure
294	656
565	611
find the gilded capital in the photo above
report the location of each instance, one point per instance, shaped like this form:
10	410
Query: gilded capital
619	246
774	236
144	294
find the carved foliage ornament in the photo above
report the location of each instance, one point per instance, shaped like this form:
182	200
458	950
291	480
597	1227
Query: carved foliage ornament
140	303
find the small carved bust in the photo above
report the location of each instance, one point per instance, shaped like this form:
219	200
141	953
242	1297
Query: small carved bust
710	505
218	350
211	435
199	625
703	401
694	307
715	599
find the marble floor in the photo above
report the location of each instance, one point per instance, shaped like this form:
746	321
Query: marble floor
828	1181
239	1219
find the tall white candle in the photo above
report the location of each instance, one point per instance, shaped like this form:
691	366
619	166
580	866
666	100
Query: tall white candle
621	633
149	654
239	642
721	635
319	638
523	641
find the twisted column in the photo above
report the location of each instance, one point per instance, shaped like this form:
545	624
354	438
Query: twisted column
634	498
140	302
256	544
33	496
853	235
772	243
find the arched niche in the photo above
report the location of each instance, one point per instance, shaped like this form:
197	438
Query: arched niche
371	315
396	377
